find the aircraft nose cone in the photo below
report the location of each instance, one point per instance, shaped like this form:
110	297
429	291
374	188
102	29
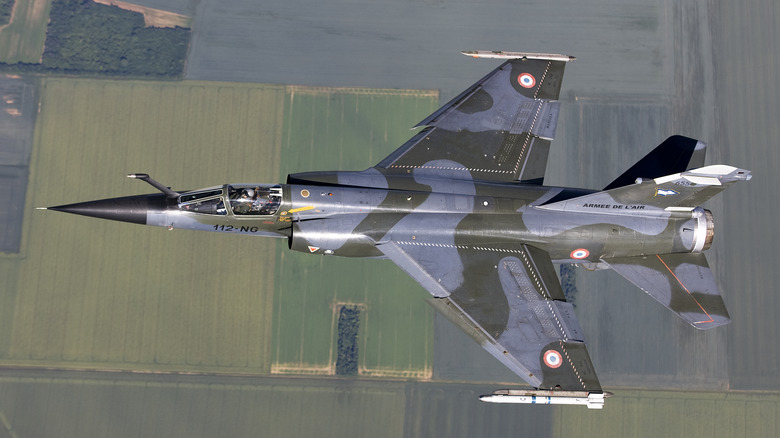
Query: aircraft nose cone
131	209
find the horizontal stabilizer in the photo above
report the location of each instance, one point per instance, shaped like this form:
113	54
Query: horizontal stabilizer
683	283
682	191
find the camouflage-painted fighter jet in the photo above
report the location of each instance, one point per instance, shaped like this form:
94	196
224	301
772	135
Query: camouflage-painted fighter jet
461	207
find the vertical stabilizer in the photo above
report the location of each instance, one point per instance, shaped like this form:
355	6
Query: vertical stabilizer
675	155
678	192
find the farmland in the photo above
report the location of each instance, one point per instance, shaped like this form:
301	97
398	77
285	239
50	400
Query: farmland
349	129
751	137
18	110
152	17
117	296
622	95
86	404
106	295
87	38
22	39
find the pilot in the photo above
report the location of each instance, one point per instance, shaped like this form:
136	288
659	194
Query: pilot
249	194
258	201
243	204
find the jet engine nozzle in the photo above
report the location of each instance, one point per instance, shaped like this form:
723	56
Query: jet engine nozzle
705	230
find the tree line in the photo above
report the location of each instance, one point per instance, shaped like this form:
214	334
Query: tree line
84	37
569	283
348	326
6	7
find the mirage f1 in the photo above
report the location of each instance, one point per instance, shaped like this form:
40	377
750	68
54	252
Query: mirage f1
462	208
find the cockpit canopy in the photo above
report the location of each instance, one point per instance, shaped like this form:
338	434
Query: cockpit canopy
243	199
207	201
254	199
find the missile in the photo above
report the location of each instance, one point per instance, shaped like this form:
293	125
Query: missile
593	400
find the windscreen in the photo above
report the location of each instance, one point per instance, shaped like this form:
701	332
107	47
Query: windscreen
205	202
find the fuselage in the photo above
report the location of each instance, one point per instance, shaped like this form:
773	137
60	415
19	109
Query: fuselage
351	213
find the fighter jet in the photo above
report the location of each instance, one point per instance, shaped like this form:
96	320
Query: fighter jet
462	208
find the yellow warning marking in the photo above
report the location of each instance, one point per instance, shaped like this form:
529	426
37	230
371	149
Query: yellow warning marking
296	210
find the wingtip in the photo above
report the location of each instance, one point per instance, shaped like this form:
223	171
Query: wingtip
714	321
499	54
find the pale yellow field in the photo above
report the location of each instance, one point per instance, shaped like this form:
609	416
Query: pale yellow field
22	39
152	17
99	294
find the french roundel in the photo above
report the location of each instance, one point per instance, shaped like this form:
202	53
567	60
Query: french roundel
580	253
526	80
552	359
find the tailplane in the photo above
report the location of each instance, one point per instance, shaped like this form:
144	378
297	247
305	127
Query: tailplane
683	283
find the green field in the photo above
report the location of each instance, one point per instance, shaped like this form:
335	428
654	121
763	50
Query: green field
104	295
349	129
675	414
167	406
396	326
128	405
23	38
98	294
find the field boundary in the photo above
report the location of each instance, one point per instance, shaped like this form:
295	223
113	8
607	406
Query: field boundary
361	91
152	17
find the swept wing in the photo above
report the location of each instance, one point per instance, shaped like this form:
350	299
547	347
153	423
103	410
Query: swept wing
511	302
499	129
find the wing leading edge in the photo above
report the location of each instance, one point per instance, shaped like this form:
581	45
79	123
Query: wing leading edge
508	300
499	129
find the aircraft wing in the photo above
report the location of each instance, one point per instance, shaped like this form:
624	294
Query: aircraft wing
499	129
511	302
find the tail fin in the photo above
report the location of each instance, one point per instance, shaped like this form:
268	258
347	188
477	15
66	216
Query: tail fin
676	154
679	192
